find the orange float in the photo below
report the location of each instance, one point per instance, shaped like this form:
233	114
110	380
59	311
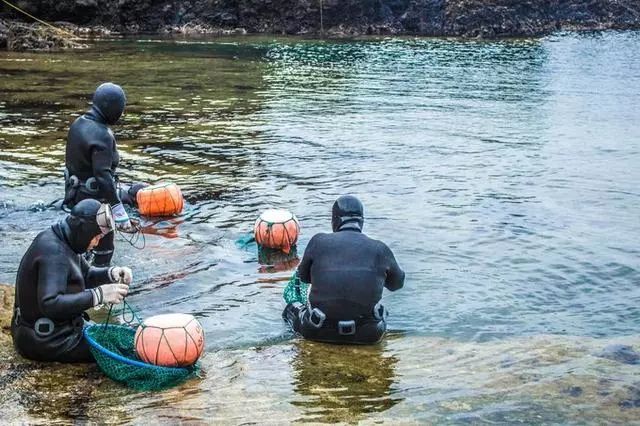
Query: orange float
172	340
163	199
277	229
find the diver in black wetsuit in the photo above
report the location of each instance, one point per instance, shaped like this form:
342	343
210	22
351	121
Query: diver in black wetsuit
55	285
347	271
91	161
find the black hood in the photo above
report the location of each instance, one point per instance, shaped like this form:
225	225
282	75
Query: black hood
81	226
347	213
109	101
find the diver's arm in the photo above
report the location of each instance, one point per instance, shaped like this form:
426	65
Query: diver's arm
101	161
304	268
53	300
395	275
93	276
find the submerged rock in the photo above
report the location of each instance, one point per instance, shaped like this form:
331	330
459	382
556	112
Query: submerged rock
574	391
621	353
633	397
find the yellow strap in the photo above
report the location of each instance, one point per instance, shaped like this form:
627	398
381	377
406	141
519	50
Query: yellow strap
40	20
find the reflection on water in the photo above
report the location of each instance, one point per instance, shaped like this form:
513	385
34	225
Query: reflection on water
277	261
503	175
343	383
541	380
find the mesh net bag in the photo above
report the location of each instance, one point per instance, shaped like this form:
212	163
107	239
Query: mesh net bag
113	348
295	290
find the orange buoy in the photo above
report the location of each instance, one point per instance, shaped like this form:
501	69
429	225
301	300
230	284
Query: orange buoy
163	199
277	229
172	340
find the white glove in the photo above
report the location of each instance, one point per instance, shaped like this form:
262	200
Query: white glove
121	274
121	217
109	293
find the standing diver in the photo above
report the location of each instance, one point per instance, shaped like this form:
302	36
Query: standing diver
55	285
347	271
91	160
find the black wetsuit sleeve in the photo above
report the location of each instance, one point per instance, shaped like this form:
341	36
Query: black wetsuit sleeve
93	276
54	302
395	275
304	268
101	160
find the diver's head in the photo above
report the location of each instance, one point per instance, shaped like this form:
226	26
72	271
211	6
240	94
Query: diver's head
109	101
347	213
87	223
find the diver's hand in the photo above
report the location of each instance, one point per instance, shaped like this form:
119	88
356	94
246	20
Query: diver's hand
121	217
121	274
109	293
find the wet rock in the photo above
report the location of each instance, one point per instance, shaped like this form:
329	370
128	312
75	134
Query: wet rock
621	353
34	37
633	398
6	311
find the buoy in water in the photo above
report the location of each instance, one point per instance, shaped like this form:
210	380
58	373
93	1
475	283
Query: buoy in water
163	199
171	340
277	229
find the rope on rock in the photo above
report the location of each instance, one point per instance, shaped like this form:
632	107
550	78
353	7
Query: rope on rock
60	30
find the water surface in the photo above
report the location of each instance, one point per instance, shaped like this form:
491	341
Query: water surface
504	175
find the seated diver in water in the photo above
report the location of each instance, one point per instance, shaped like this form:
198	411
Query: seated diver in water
91	161
55	285
347	271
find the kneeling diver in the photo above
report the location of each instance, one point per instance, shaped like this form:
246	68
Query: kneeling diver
55	285
347	271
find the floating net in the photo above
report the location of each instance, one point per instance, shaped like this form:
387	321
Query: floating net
295	290
113	347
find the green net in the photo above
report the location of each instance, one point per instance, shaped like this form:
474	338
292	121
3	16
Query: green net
295	290
113	348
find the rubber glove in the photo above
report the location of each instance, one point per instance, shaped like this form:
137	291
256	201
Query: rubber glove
109	293
121	217
121	274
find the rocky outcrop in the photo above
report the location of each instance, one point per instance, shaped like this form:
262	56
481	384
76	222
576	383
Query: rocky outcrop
464	18
478	18
18	36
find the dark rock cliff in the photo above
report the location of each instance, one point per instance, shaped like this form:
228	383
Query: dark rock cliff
466	18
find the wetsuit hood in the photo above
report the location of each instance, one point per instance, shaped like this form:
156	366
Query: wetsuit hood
109	101
347	213
88	219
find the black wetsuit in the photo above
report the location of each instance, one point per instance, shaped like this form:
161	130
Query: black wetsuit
53	281
91	153
347	271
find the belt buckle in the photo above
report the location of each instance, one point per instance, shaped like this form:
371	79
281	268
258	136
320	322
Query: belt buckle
347	328
43	327
380	312
320	315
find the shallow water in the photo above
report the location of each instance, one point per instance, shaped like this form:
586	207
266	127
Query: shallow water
504	175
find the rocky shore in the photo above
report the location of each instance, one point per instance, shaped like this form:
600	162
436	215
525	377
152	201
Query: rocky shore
536	370
330	18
